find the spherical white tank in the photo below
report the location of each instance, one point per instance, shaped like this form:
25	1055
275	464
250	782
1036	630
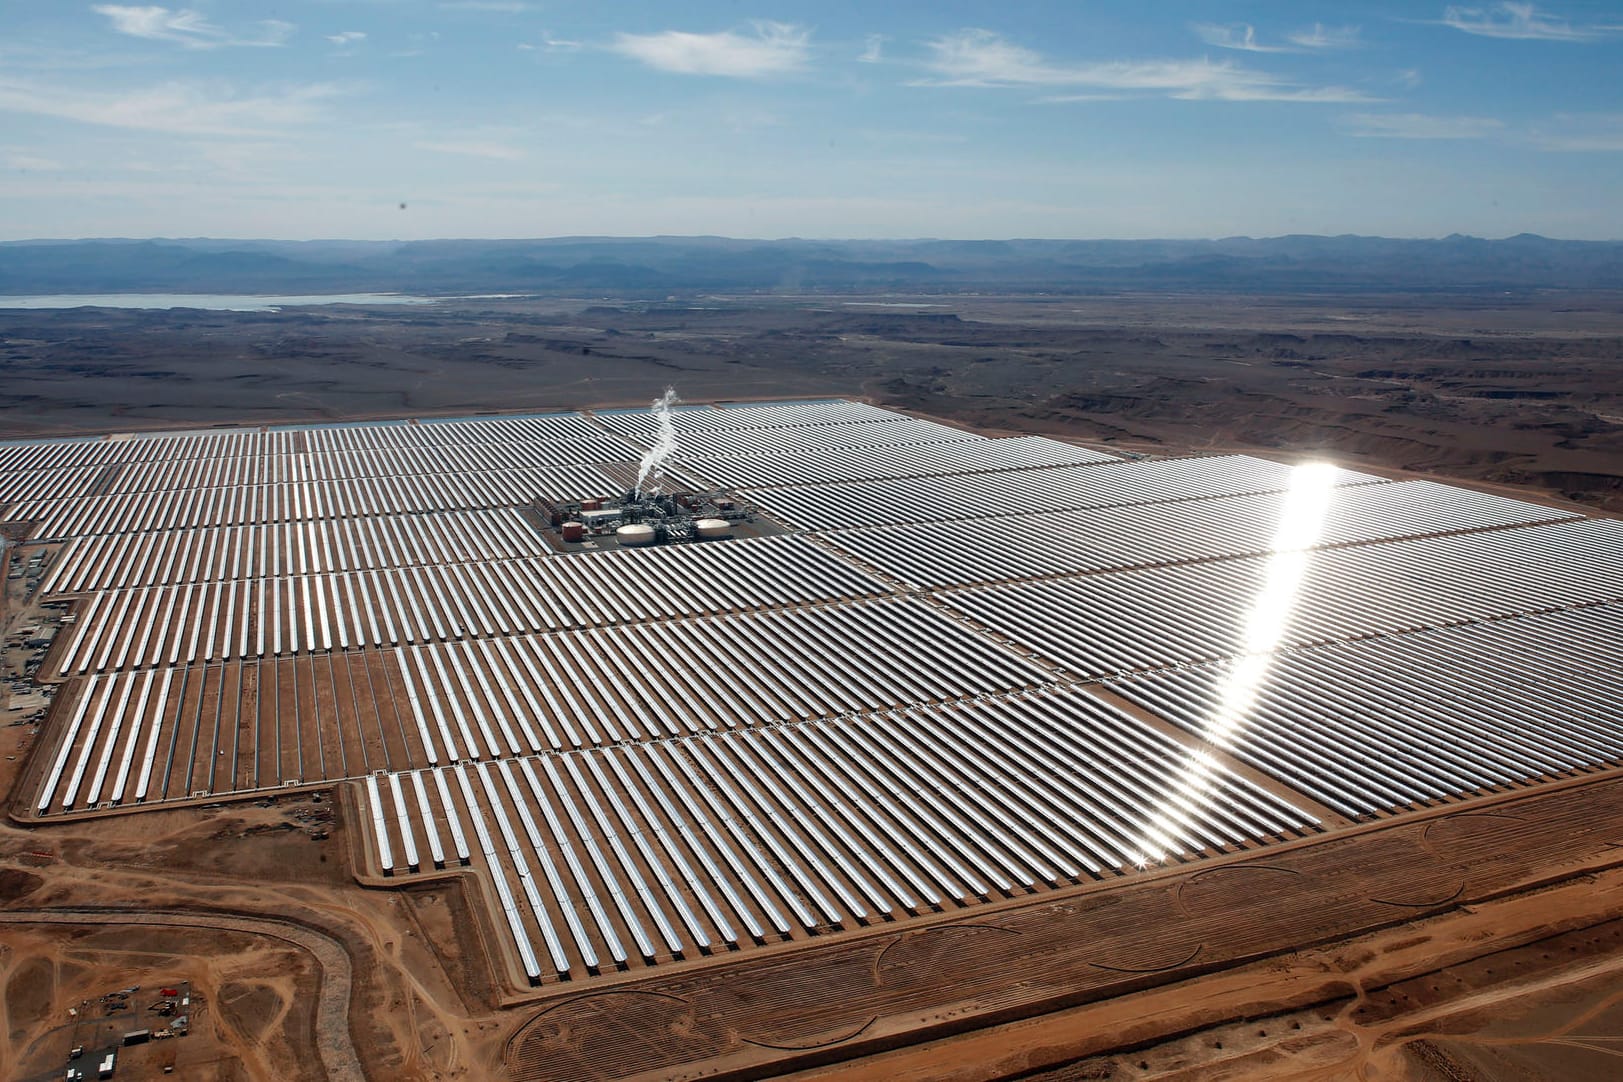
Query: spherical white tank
637	533
712	527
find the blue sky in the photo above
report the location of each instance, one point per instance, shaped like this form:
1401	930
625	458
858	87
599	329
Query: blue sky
500	118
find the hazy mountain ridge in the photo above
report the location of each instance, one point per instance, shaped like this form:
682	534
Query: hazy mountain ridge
671	264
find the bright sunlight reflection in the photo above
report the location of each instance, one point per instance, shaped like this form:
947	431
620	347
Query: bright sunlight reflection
1301	523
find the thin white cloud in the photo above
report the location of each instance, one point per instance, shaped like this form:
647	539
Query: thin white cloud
1242	37
1594	133
1422	126
1519	22
504	7
1326	37
1070	99
893	137
25	162
981	58
770	49
873	47
552	45
176	107
1238	36
188	28
347	37
474	148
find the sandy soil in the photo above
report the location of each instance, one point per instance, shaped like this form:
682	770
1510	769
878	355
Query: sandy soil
249	998
1526	986
209	870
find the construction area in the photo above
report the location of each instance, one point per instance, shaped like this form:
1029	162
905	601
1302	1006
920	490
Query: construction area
759	737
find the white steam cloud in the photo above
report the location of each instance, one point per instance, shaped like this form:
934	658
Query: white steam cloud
652	469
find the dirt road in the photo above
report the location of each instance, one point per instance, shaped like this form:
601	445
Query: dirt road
332	1037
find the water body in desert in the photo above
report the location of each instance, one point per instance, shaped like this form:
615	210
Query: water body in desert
214	302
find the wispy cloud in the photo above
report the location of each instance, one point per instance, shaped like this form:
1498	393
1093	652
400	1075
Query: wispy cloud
1570	132
1422	126
188	28
985	59
22	55
1240	36
347	37
176	107
1071	99
1326	37
551	45
475	149
873	47
25	161
1592	133
504	7
1519	22
770	48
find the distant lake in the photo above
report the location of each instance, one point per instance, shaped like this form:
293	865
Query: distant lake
217	302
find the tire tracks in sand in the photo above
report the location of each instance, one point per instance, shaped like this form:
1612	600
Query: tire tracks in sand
333	1043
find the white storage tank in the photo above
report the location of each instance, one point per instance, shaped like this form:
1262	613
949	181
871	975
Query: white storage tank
710	528
638	533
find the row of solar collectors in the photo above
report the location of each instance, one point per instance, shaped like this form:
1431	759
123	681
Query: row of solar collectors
265	723
1098	625
37	455
256	443
294	501
855	463
648	681
646	852
224	553
564	430
49	484
1008	492
343	465
537	428
685	419
1000	548
103	452
1385	723
385	451
746	441
254	617
91	729
206	730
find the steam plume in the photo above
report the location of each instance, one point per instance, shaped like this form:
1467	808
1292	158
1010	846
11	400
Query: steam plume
652	469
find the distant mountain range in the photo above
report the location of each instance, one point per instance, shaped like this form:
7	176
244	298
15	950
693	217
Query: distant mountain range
661	265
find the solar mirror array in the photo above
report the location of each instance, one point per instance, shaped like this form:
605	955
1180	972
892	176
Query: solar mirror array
969	669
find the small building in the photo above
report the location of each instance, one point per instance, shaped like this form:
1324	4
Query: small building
107	1063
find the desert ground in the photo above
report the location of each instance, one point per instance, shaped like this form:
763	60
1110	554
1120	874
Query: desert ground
1476	939
1515	389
